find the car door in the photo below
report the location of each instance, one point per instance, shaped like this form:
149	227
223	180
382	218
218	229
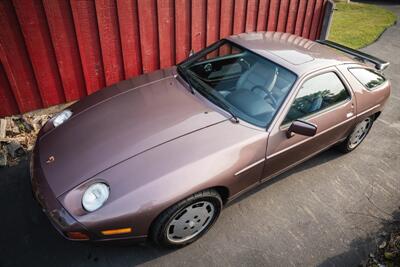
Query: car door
322	98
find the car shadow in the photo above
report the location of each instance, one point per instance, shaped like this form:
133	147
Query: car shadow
28	238
318	159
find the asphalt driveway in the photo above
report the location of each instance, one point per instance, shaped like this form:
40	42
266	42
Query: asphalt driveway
326	211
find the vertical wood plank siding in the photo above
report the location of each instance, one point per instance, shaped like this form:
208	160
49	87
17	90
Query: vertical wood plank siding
57	51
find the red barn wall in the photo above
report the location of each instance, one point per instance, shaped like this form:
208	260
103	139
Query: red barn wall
57	51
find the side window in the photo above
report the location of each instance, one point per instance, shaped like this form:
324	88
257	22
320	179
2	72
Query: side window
368	78
316	94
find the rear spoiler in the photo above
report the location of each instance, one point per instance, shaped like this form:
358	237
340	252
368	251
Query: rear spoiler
379	63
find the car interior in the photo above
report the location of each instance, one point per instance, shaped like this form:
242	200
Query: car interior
251	84
316	94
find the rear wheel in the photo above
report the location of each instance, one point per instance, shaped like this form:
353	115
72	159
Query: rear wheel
188	220
357	136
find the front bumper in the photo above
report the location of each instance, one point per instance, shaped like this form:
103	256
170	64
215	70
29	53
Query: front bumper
57	214
60	218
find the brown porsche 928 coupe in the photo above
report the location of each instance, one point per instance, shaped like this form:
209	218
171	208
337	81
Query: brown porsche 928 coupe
159	155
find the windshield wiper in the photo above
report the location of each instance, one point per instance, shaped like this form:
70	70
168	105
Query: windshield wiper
187	79
225	107
221	103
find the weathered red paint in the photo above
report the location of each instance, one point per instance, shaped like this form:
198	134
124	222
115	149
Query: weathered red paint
316	19
308	18
149	35
239	18
16	62
110	43
182	29
32	21
62	32
130	37
52	51
213	16
291	20
166	32
283	14
7	99
273	15
251	17
301	12
84	14
199	13
226	26
262	18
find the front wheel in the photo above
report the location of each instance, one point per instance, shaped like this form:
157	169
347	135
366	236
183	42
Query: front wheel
357	136
188	220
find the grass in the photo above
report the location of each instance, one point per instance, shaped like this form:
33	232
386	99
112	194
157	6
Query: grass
357	25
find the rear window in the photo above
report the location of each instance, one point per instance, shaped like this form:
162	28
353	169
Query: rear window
368	78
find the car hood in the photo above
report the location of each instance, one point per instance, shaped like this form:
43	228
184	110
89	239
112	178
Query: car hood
125	120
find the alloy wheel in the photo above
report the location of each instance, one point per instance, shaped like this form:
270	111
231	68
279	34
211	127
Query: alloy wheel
359	133
190	221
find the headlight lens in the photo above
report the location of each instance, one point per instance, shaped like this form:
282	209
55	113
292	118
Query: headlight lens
61	117
95	196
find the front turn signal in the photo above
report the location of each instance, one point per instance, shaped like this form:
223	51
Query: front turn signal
117	231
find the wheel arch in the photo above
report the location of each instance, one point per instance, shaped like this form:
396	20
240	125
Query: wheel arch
376	115
223	191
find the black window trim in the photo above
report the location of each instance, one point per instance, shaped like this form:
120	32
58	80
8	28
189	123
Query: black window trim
370	69
286	125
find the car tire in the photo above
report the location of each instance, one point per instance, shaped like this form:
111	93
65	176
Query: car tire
188	220
356	137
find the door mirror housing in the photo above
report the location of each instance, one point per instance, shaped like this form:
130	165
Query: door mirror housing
301	127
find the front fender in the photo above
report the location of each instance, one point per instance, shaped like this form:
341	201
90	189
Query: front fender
145	185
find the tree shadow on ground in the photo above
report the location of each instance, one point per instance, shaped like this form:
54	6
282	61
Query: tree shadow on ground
361	249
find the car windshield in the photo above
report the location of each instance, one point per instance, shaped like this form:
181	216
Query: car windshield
245	84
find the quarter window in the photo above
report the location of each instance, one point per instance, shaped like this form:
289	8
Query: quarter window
368	78
316	94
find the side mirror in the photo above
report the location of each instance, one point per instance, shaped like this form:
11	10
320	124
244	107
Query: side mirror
301	127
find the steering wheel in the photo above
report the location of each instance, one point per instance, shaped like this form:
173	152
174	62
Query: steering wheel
208	67
269	94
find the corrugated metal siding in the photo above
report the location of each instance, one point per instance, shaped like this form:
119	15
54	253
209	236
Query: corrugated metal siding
57	51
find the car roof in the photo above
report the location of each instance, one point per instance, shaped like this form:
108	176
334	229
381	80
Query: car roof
293	52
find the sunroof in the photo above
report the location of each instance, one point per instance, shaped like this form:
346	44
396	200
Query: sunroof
293	56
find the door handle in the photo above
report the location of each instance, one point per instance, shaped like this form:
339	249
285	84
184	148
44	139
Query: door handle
350	114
